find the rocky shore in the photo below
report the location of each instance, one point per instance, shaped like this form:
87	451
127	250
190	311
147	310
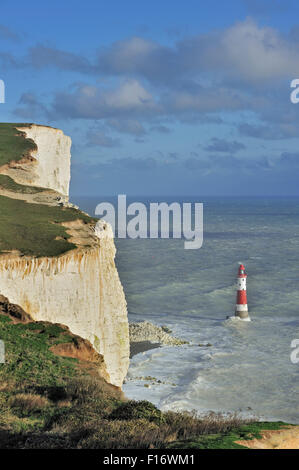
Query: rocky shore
145	336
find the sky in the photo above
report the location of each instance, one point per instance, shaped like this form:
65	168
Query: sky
160	98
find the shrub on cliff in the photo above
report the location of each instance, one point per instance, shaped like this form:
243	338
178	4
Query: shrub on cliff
27	404
138	410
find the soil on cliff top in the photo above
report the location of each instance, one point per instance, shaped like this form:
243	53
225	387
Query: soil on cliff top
285	438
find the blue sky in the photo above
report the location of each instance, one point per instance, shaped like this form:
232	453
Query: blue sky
160	98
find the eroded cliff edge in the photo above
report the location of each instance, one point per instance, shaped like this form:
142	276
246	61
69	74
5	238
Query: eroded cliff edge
63	272
47	164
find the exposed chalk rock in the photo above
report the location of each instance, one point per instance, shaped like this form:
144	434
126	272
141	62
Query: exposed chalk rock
49	165
80	289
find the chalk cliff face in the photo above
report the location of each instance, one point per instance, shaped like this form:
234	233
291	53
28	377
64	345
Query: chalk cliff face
49	165
80	288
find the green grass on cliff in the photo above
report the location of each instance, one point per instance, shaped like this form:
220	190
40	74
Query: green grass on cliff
48	401
33	228
8	183
228	439
13	144
28	360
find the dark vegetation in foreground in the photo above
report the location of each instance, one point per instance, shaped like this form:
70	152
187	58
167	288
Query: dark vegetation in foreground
48	401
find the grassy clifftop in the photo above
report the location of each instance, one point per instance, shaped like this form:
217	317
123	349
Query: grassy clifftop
34	229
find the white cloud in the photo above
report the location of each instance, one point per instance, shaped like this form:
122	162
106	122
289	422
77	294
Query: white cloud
129	98
127	126
244	50
238	68
257	53
130	94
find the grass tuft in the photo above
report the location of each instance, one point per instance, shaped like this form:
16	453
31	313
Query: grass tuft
138	410
25	404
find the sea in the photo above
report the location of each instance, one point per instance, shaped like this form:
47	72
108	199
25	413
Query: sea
228	366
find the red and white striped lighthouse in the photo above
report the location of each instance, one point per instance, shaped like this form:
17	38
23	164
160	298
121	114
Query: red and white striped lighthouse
241	303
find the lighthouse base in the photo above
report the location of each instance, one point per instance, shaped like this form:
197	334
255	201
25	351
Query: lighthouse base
243	315
237	318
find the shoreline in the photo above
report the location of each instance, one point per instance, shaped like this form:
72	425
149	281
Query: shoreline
145	336
137	347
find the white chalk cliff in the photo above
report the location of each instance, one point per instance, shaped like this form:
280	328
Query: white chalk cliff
81	288
49	166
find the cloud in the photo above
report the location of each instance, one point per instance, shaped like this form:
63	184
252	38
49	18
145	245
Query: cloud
133	164
130	102
41	56
262	7
269	132
127	126
196	164
161	129
216	163
98	137
136	164
91	102
240	68
141	57
222	145
7	60
205	100
126	104
30	107
243	52
7	34
173	155
289	159
202	169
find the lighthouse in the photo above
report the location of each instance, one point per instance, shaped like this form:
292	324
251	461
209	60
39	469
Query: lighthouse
241	303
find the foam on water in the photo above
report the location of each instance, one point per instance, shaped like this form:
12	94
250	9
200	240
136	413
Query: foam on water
248	368
244	371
